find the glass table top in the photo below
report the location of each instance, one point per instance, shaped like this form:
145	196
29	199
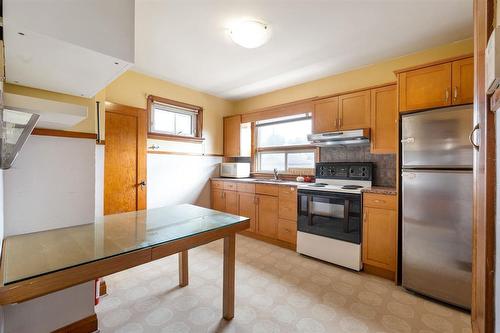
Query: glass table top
30	255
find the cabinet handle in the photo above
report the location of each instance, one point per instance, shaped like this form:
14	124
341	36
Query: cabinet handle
364	217
379	201
446	95
455	93
471	137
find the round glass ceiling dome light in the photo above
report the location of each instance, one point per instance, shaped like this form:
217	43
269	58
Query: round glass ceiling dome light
250	33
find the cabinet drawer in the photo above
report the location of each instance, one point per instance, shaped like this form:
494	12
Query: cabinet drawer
287	231
231	186
288	209
288	192
244	187
217	184
380	201
267	189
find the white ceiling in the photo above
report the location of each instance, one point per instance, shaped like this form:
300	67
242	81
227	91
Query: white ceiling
185	41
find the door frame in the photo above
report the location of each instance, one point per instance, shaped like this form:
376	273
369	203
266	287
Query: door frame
142	132
483	261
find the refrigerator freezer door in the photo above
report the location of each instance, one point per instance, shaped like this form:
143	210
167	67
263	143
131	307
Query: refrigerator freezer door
437	138
437	234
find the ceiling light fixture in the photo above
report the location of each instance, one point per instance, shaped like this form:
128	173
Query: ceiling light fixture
250	33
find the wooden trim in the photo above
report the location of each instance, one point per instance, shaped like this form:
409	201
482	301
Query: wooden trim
274	241
101	143
163	152
103	288
63	134
51	282
433	63
160	136
483	251
382	85
281	110
171	137
86	325
286	148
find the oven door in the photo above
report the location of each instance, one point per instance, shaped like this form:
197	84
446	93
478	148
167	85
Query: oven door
330	214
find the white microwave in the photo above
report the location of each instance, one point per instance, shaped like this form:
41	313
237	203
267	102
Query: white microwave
235	170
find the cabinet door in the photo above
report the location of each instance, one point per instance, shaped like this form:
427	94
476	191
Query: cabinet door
288	203
267	221
379	238
232	136
425	88
287	231
325	115
248	208
463	81
231	202
384	117
218	200
354	110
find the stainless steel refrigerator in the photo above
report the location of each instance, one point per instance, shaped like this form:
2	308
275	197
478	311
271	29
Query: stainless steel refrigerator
437	204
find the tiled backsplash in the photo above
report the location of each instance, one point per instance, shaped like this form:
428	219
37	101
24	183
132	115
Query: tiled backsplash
384	165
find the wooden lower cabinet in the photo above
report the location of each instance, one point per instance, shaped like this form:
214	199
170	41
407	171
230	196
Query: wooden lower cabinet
218	200
272	209
248	207
267	214
380	229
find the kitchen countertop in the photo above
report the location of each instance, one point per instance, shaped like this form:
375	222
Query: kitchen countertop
381	190
259	181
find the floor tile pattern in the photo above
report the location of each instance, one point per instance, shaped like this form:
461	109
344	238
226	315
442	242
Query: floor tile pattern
278	290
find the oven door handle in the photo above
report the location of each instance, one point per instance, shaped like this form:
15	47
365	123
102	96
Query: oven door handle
309	213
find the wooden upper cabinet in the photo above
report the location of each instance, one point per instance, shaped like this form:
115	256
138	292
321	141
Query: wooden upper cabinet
384	120
463	81
232	136
425	88
325	115
354	110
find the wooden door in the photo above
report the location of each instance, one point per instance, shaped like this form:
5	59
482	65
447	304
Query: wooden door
267	220
354	110
463	81
384	120
325	115
231	202
379	238
125	159
425	88
232	136
247	207
218	200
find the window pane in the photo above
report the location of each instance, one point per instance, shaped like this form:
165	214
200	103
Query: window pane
270	161
183	124
284	134
164	121
301	160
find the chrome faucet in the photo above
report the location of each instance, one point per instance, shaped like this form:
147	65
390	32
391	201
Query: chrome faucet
276	175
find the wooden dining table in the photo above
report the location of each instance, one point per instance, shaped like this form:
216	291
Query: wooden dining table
41	263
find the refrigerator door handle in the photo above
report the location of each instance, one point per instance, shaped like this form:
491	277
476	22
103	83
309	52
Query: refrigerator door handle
471	137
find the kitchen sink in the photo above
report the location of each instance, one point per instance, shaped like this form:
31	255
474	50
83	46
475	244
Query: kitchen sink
268	180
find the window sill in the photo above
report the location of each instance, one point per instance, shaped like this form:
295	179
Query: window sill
168	137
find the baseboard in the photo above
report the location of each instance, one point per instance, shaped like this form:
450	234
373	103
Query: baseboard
383	273
277	242
85	325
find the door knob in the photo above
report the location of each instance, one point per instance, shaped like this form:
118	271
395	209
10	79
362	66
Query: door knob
142	184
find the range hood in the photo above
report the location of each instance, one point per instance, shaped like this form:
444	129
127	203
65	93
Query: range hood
15	127
350	137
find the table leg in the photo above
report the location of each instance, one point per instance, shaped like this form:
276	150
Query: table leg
183	269
228	284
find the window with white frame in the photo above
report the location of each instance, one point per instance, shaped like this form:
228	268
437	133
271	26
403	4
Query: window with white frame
170	118
281	143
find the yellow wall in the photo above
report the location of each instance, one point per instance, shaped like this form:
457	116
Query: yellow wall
131	89
382	72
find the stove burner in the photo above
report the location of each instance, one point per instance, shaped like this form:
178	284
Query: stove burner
318	185
351	187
